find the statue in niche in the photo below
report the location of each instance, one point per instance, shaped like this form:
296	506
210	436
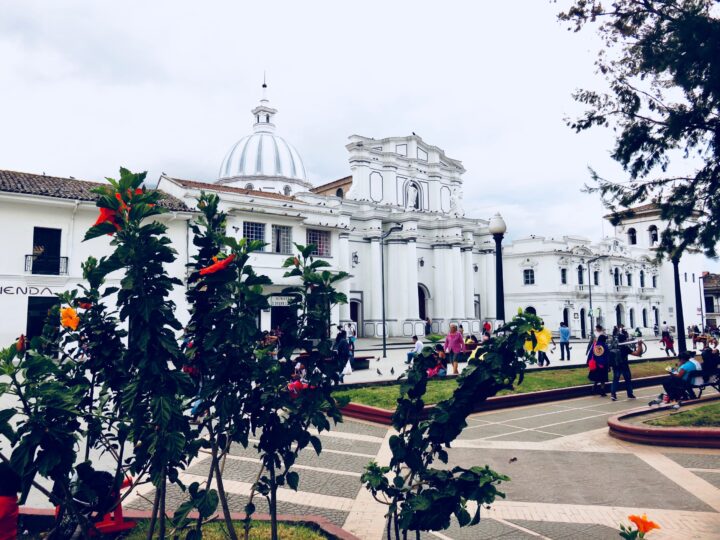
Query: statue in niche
412	201
456	203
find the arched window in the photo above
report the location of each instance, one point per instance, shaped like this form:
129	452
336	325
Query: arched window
654	282
287	190
631	316
642	278
581	275
619	314
529	277
616	275
632	236
531	310
339	193
653	232
596	277
249	186
628	279
644	317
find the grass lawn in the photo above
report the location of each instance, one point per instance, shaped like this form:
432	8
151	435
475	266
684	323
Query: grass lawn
703	416
260	531
385	397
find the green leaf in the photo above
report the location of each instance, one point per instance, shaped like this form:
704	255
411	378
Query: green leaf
292	480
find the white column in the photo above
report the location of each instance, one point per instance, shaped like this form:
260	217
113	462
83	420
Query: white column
396	297
458	291
440	283
374	310
344	265
469	287
411	280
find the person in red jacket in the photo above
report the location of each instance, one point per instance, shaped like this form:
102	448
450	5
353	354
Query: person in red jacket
9	487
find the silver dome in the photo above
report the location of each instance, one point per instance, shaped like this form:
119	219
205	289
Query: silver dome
263	154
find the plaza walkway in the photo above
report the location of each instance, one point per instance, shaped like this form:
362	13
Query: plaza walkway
569	478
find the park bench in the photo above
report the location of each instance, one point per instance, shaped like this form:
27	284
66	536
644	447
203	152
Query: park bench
709	379
361	362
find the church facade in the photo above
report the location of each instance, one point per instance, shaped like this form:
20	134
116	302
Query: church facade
395	224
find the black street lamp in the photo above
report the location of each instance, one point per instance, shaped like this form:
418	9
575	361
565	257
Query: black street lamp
680	317
383	236
590	278
497	228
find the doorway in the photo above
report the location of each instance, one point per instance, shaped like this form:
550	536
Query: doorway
583	323
531	310
619	315
282	317
38	310
356	316
422	302
566	317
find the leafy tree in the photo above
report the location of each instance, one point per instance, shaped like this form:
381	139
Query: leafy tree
419	496
661	61
154	396
283	404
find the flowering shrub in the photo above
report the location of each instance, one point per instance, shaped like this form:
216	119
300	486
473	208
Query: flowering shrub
643	524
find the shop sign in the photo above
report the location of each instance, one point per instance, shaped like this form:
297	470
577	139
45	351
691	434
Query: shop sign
280	301
19	290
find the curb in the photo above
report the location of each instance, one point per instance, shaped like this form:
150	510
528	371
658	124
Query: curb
384	416
664	436
319	522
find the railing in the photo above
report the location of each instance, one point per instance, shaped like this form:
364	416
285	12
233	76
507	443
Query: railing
622	289
49	266
649	290
581	288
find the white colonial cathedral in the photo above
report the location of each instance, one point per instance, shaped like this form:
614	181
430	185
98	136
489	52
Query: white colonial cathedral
401	203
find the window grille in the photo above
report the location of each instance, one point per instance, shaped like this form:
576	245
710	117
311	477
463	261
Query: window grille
254	231
529	277
321	241
282	239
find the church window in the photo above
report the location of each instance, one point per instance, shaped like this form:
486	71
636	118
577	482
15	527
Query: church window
628	277
529	277
654	282
632	236
249	186
653	232
321	241
282	239
563	276
287	190
616	275
254	231
642	278
581	276
339	192
267	118
596	278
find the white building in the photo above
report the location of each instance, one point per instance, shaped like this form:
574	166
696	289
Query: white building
437	262
558	278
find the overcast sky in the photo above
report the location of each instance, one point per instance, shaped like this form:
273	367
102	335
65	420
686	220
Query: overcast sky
167	87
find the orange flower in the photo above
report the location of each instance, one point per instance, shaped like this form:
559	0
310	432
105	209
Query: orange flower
217	265
20	345
644	525
69	318
107	215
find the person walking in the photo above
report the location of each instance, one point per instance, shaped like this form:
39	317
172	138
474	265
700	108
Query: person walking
342	349
564	341
669	343
487	327
543	357
454	346
656	330
597	361
428	326
417	349
621	365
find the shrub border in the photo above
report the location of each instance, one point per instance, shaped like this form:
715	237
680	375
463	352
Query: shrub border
699	437
384	416
332	531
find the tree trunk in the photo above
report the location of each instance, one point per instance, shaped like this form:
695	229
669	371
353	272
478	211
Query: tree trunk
250	500
153	517
273	505
397	525
222	496
161	513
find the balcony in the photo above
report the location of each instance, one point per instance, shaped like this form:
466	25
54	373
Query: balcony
650	291
47	266
623	289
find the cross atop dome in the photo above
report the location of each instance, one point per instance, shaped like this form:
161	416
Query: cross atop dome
264	113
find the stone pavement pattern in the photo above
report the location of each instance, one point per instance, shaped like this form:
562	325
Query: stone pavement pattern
569	478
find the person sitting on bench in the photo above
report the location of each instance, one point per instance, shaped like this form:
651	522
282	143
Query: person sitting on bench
678	385
417	349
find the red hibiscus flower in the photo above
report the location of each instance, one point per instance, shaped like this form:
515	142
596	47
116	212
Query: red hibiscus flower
107	215
217	265
20	345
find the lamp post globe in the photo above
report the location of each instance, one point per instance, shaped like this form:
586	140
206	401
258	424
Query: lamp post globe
497	228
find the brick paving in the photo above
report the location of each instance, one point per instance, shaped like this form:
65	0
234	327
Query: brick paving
569	478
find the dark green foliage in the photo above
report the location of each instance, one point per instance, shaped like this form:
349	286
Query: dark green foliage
421	497
662	64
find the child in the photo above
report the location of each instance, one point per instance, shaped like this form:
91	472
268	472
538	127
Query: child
9	487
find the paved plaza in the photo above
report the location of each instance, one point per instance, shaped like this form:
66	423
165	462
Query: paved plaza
569	478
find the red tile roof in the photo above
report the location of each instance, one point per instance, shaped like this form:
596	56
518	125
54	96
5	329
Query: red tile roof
65	188
229	189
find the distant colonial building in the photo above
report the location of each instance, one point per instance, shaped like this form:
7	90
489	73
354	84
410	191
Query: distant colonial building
438	263
558	278
711	295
